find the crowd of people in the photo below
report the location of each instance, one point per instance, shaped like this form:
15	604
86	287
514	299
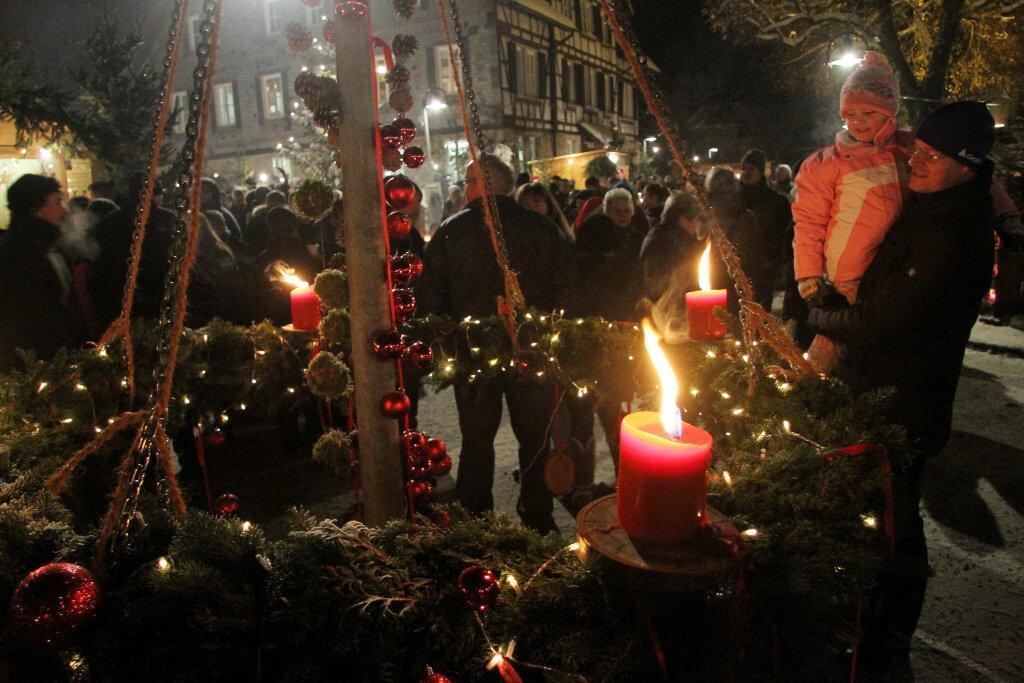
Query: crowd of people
882	244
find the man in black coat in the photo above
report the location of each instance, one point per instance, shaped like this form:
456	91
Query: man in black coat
37	309
917	303
110	272
764	260
461	278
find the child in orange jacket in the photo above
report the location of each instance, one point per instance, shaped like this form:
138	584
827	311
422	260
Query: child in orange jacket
849	193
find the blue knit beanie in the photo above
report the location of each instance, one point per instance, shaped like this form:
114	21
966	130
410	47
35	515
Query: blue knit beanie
963	131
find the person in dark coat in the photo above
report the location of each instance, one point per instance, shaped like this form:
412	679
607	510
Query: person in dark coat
109	272
36	299
739	223
462	278
673	247
916	306
212	203
764	263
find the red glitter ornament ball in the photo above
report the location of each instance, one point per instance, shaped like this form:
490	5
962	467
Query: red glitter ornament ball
53	605
329	32
436	449
405	302
399	225
420	355
413	157
395	404
227	504
389	345
479	587
441	467
405	268
390	136
216	438
351	9
399	192
407	129
420	491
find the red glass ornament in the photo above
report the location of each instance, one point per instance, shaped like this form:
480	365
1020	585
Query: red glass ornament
436	449
407	129
441	467
441	518
389	345
405	268
53	605
414	443
405	302
420	355
419	491
351	9
414	157
395	404
479	587
227	504
390	136
399	192
435	678
216	438
329	32
421	472
399	225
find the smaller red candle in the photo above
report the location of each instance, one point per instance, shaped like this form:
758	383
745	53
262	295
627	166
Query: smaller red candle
305	308
701	305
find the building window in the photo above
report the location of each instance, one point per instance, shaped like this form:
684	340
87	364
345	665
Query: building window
224	101
531	147
383	89
193	31
283	163
273	12
444	68
579	84
272	88
601	101
627	100
179	103
597	22
527	74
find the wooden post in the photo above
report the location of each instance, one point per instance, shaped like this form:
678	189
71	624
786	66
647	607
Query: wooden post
380	466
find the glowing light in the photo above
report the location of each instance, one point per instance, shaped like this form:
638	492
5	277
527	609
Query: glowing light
727	478
786	426
696	157
264	177
671	420
67	420
246	527
286	274
382	69
710	354
573	547
870	521
704	269
42	386
163	564
750	533
80	387
846	61
726	395
737	411
45	154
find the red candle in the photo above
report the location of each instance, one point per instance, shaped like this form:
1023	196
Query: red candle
305	308
662	487
662	490
700	305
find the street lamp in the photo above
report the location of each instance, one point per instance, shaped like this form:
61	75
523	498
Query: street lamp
711	153
434	100
650	138
846	60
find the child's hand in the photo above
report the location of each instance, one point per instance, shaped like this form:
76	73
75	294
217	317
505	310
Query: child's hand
812	290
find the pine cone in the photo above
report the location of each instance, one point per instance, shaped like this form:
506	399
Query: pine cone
401	100
398	77
299	37
391	160
404	46
404	8
305	85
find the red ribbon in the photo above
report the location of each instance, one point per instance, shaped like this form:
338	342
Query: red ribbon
197	435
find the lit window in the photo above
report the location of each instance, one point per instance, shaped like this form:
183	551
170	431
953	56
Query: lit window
179	102
273	12
315	15
272	87
224	99
445	69
282	164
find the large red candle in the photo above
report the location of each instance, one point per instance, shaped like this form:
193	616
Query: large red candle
305	308
701	305
662	489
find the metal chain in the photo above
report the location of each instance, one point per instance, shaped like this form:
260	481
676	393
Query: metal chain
467	78
146	192
146	443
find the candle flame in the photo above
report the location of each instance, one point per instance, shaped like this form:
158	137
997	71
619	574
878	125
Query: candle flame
704	270
670	417
282	272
